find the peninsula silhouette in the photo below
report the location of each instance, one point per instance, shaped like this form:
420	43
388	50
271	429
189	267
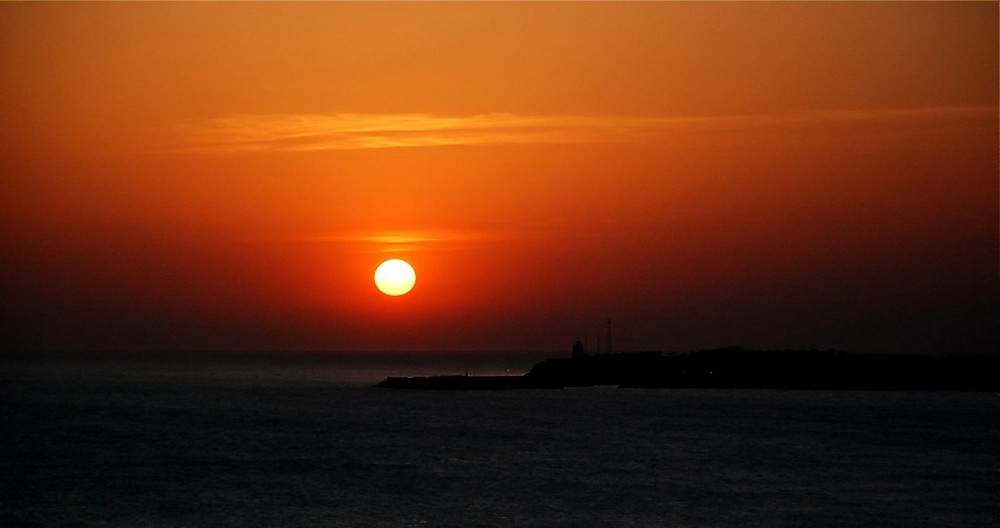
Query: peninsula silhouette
736	367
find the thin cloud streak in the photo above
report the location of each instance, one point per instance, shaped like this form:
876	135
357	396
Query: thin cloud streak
317	132
430	236
390	241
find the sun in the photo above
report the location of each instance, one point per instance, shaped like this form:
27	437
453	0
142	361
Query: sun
395	277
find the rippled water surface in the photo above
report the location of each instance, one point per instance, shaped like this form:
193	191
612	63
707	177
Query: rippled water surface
265	441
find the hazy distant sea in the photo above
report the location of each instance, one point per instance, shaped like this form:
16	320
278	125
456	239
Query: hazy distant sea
301	441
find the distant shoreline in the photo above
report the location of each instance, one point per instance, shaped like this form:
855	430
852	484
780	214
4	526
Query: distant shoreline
736	367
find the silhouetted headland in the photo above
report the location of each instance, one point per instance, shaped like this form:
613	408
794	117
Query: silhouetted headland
735	367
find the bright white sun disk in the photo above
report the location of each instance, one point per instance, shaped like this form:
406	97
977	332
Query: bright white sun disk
395	277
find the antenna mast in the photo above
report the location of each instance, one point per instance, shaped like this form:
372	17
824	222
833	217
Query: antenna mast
609	335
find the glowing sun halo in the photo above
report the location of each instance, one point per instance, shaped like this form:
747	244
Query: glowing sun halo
395	277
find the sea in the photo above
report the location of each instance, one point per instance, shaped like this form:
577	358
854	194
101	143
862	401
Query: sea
274	440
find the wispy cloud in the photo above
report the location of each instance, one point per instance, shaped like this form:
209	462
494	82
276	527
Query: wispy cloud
388	237
305	132
417	240
313	132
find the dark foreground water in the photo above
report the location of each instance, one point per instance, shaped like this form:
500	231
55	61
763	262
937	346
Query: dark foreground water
302	442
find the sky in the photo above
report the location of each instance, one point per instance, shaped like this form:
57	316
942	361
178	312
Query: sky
227	176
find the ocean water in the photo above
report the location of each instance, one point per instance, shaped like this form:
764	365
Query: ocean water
302	441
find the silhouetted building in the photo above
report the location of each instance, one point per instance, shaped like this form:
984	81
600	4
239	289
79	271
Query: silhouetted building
578	351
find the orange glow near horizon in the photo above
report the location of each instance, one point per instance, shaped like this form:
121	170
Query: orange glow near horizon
227	176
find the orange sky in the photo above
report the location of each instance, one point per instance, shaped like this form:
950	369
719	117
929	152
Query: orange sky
227	176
